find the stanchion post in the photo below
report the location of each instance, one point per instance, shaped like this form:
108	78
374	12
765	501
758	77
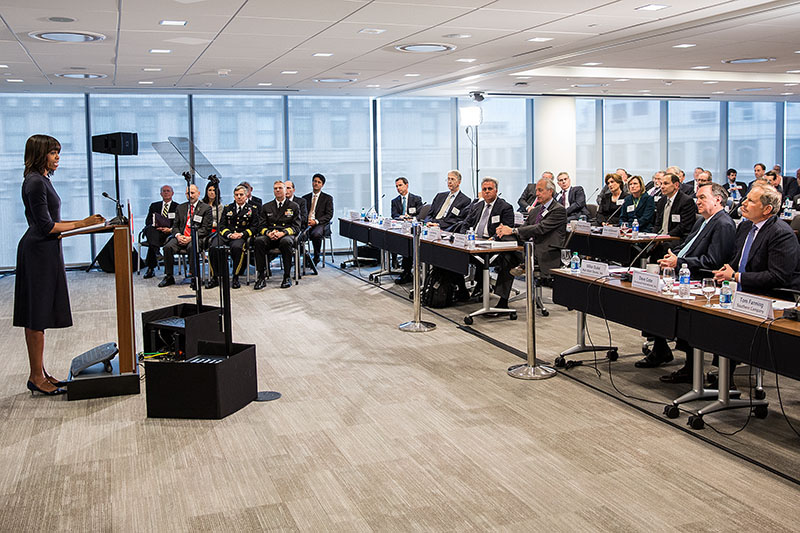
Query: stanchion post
530	370
417	325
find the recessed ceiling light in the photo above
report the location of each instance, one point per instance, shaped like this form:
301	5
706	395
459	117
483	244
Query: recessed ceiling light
652	7
145	83
700	67
67	36
710	82
643	91
323	54
540	39
160	51
15	81
752	89
173	23
351	73
684	45
334	80
718	92
288	72
373	86
589	85
789	84
797	51
425	48
466	60
787	94
623	79
151	69
80	75
748	60
60	19
591	64
412	75
371	31
264	84
3	66
562	89
793	72
457	36
470	78
524	77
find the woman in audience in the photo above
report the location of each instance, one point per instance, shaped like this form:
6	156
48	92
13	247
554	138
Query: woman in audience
213	199
41	297
610	204
638	206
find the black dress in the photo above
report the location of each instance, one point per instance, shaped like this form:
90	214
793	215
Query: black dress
41	298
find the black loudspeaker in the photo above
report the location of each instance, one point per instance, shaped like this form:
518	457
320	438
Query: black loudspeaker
105	258
119	143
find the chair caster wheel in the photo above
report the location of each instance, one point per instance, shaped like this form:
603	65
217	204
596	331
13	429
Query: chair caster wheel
760	394
370	277
671	411
696	422
512	316
342	266
468	320
559	362
760	411
545	312
612	355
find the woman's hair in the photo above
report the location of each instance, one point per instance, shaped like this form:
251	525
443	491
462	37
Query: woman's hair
36	150
640	180
217	200
616	177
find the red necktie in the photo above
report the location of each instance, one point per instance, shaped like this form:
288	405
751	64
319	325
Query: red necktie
188	229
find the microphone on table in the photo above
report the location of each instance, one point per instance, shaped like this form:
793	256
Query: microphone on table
616	211
372	207
571	233
626	276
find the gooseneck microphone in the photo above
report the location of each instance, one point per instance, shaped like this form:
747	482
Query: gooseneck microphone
626	276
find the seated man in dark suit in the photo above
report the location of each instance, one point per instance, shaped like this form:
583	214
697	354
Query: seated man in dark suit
238	224
546	225
320	213
787	186
279	223
158	226
527	199
405	205
675	212
736	189
653	187
707	247
194	215
299	201
572	198
450	207
760	172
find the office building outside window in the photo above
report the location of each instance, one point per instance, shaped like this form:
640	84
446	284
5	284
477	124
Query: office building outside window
751	136
694	137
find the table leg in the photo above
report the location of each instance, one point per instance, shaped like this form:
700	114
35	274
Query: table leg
581	340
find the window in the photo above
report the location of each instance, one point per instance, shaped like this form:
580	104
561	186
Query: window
633	143
792	154
587	173
751	136
694	137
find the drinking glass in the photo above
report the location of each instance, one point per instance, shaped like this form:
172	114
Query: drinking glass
709	288
668	275
566	257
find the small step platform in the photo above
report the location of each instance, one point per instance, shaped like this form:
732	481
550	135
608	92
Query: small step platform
101	354
95	374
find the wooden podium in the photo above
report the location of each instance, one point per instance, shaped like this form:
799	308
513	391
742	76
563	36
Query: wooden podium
95	382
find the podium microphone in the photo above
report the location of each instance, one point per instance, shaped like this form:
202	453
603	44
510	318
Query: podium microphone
120	219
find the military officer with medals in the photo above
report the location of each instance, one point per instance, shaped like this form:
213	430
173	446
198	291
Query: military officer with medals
279	223
238	224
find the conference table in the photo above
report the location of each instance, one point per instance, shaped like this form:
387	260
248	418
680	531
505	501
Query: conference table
731	334
438	252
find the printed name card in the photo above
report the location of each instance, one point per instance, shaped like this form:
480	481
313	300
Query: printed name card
611	231
646	281
460	239
594	269
434	232
519	218
354	215
752	305
582	227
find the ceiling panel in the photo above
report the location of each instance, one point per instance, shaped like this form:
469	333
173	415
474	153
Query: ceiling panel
274	27
330	10
505	20
410	14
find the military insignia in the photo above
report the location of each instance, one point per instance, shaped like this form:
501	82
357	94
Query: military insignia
289	212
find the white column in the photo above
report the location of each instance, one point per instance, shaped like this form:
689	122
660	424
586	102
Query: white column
554	136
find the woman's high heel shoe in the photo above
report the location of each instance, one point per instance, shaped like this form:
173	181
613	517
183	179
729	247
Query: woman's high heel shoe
33	388
55	382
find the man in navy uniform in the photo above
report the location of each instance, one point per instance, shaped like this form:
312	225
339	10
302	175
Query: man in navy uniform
279	223
238	224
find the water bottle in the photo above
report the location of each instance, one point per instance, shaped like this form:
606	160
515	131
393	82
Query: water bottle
575	263
635	229
683	288
787	209
471	239
725	295
363	214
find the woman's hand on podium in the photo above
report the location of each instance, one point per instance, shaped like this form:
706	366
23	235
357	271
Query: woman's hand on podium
90	221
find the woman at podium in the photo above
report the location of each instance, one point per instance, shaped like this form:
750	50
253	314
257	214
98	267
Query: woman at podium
41	298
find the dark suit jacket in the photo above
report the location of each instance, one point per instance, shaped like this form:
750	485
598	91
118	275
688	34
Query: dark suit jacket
688	188
684	207
527	198
712	248
414	203
774	259
156	207
323	212
287	218
256	202
790	188
502	213
203	227
644	212
577	202
548	235
303	210
245	221
458	210
606	209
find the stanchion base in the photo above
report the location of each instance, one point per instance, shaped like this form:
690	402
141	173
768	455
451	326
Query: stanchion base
525	371
417	327
267	396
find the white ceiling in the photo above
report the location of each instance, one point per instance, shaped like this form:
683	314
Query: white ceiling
254	41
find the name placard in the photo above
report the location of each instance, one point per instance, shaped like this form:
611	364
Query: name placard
594	269
460	239
645	281
752	305
582	227
354	215
610	231
519	218
434	232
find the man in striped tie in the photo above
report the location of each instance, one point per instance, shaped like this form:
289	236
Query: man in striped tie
157	227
